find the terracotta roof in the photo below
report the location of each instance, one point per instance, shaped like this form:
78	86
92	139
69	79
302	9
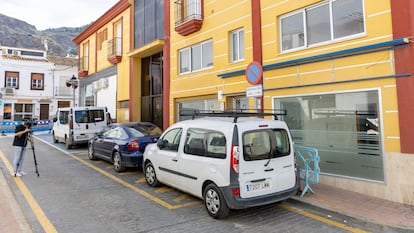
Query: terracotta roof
21	58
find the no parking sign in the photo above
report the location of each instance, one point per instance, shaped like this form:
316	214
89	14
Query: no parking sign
254	73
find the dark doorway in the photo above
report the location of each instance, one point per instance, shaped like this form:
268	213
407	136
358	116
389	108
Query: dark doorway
44	112
152	105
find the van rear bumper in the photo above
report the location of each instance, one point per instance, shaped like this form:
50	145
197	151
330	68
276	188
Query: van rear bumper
236	202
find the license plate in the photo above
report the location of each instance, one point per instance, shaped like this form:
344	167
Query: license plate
257	186
82	137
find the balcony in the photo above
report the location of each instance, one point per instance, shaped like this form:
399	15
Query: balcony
83	66
63	92
115	50
188	16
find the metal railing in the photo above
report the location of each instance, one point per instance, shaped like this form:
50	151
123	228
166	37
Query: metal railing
186	10
115	47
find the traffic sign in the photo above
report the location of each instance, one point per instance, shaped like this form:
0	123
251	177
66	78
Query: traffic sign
254	73
254	91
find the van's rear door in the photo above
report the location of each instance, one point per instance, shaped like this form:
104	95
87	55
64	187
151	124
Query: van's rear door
266	160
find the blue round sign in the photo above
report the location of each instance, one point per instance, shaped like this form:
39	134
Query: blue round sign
254	73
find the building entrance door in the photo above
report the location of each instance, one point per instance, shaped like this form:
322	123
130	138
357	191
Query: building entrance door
152	88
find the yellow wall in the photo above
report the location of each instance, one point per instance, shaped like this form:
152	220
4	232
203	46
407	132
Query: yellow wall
98	57
216	26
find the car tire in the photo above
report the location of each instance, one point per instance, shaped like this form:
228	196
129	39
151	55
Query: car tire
150	176
214	201
67	143
54	138
91	154
117	160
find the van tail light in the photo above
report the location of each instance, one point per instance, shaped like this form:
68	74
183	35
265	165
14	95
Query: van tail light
133	145
236	192
235	153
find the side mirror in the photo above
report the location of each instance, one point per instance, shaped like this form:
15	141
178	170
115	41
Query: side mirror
54	119
162	143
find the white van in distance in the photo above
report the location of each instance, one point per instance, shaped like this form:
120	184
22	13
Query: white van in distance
76	125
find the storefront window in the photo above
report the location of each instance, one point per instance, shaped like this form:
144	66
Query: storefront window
344	127
207	104
7	111
23	111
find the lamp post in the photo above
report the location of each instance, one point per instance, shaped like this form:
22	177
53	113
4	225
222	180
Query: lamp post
73	82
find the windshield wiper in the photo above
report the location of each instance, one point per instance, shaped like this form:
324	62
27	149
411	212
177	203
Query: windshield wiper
272	153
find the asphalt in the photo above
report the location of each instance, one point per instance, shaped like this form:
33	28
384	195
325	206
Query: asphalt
365	208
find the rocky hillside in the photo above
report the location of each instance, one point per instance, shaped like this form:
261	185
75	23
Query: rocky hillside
17	33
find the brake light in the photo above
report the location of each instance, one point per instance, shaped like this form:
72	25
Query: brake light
236	192
235	153
133	145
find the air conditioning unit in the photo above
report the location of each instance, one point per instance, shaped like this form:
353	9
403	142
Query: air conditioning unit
9	91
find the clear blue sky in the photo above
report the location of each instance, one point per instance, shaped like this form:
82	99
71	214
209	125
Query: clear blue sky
44	14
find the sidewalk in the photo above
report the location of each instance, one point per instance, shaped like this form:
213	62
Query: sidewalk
12	218
359	206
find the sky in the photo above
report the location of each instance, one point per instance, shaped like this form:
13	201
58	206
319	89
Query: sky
44	14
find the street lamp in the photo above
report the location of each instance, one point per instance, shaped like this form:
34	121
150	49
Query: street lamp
73	82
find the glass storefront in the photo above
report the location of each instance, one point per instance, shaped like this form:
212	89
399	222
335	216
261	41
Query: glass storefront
344	127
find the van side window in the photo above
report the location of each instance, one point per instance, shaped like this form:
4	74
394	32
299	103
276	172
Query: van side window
89	116
64	117
265	144
172	139
204	142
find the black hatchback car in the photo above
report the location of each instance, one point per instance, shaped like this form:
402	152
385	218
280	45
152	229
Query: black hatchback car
123	144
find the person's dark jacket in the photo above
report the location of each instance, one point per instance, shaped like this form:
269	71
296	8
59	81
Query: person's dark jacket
20	140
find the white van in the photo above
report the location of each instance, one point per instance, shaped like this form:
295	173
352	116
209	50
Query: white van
230	160
76	125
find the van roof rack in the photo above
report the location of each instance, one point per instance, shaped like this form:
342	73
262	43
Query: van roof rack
233	113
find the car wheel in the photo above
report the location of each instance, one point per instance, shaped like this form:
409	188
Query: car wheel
67	143
118	167
214	201
150	176
91	154
54	138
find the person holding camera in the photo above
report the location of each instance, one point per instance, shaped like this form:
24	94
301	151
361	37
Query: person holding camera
21	135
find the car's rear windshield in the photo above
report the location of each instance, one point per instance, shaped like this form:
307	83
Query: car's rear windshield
89	116
265	144
142	130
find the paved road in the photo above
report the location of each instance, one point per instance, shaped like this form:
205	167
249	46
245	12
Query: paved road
73	194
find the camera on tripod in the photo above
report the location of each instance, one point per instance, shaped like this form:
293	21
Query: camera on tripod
30	122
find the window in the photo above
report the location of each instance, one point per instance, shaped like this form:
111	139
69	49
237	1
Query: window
37	81
207	104
325	22
171	139
265	144
12	79
203	142
237	45
344	127
186	10
23	111
89	116
196	57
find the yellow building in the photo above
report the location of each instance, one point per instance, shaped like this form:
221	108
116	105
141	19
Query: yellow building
104	68
338	68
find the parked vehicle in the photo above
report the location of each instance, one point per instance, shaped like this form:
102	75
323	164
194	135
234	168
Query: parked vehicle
229	160
123	144
76	125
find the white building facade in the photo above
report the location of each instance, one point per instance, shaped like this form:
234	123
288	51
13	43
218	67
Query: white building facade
33	85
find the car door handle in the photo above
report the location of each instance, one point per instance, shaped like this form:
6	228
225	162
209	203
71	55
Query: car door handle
268	169
174	159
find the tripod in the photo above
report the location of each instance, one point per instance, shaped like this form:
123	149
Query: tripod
33	149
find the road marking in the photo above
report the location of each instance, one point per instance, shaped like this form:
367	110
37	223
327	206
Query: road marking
322	219
140	181
124	183
181	197
163	190
40	215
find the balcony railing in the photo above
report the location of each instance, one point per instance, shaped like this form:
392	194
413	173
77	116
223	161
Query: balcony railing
115	50
83	66
188	16
63	91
